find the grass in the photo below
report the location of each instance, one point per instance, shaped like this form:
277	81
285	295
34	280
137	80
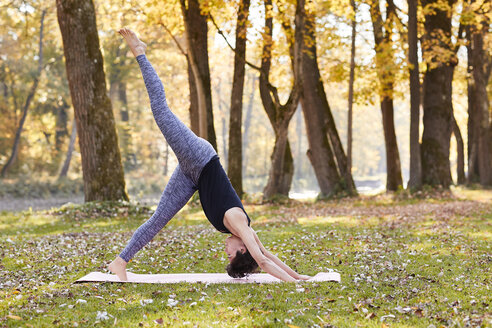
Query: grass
404	263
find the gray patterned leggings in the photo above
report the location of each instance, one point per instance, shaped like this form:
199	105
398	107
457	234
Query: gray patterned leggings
193	154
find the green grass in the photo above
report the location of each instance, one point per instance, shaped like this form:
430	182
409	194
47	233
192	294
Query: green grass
403	263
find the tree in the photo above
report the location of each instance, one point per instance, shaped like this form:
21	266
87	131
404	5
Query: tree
383	45
479	121
440	60
30	96
460	167
118	67
196	29
282	166
234	167
101	160
68	157
415	181
325	149
247	119
351	87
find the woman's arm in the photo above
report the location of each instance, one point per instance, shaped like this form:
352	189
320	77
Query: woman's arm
277	261
265	263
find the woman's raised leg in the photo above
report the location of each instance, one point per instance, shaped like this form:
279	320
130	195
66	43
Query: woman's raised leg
192	152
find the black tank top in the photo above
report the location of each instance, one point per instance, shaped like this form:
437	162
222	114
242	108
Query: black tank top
217	194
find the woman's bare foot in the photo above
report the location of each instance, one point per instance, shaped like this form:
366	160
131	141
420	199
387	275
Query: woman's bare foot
118	267
136	46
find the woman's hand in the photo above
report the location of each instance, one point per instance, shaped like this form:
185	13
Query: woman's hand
303	277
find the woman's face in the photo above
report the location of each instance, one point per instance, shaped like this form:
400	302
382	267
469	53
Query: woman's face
232	245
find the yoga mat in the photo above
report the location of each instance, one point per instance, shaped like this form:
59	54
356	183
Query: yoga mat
213	278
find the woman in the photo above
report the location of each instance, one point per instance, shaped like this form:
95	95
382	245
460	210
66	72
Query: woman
198	169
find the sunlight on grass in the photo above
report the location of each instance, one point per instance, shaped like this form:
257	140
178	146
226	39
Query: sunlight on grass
318	220
26	221
481	195
483	235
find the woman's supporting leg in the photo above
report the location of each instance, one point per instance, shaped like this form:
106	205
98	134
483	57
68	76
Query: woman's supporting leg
177	193
192	152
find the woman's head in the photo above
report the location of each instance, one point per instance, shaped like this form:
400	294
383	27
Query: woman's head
241	261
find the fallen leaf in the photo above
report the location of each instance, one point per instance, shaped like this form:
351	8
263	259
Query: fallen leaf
14	317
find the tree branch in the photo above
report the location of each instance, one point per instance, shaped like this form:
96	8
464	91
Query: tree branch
227	41
161	23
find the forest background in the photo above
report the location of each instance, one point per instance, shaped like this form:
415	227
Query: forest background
39	155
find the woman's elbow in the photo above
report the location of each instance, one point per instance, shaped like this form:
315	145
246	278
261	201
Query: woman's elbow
262	262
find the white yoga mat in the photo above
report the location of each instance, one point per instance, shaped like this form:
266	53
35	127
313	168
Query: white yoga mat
213	278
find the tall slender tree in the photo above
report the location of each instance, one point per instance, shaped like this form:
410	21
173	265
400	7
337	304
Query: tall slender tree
247	119
415	181
27	103
235	167
68	157
351	86
460	167
101	160
383	44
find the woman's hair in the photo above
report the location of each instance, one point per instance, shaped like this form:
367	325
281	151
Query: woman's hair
242	265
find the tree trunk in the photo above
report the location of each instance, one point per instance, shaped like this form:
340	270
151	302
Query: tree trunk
234	168
117	93
473	119
194	114
196	36
415	181
224	142
282	167
30	96
71	146
383	46
315	108
247	119
481	68
61	124
460	171
101	160
166	160
393	166
351	89
437	95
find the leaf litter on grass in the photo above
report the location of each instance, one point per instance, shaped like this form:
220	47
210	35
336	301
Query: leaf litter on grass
402	264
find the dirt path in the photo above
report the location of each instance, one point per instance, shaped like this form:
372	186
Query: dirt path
36	204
